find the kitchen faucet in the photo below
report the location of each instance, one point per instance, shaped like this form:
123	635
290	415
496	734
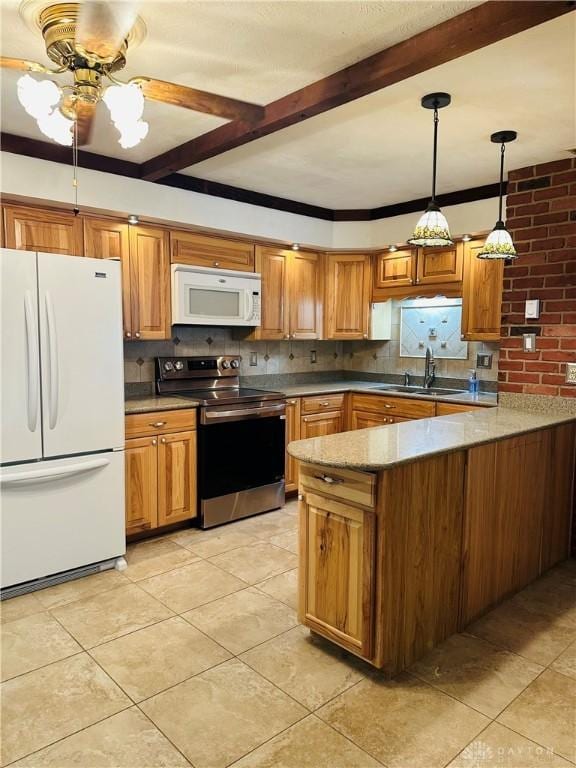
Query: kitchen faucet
429	368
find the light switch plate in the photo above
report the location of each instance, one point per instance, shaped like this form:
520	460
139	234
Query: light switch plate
570	373
529	342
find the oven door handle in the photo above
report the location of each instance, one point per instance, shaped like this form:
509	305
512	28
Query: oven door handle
240	414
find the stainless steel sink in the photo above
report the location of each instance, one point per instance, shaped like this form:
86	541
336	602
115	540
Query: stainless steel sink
421	391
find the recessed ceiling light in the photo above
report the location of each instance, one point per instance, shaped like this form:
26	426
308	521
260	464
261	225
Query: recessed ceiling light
295	246
133	219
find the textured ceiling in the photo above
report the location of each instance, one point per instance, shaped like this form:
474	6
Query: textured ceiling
370	152
257	51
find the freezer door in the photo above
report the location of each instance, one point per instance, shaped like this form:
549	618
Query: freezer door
21	437
82	360
61	514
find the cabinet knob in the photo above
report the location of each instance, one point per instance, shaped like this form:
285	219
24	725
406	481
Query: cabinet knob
291	402
305	419
128	335
137	334
216	263
364	335
286	335
154	442
157	424
163	440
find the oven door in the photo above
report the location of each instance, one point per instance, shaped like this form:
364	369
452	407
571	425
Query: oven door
240	452
208	298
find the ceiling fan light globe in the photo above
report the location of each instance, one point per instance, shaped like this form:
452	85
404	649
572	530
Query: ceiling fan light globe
432	229
498	245
132	133
125	102
38	97
57	127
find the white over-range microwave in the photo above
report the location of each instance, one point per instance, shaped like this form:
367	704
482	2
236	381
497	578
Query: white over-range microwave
206	296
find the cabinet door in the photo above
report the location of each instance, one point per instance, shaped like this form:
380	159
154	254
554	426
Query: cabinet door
273	264
347	304
141	456
481	295
205	251
320	424
109	239
40	229
305	295
365	419
560	460
394	269
437	266
176	477
292	433
337	551
150	282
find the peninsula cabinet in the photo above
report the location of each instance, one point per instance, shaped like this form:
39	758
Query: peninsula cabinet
292	433
160	470
42	229
481	295
201	250
291	294
347	296
322	415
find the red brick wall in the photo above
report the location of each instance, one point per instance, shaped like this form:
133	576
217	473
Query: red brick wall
541	217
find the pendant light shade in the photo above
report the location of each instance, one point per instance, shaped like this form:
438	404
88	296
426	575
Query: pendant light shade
499	244
432	228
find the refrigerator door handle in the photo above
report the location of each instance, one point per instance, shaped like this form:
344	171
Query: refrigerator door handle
53	378
52	473
33	375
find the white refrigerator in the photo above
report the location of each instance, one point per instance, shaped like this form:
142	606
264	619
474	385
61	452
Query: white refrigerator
62	416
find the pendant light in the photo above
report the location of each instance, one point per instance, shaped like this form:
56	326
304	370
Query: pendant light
499	243
432	227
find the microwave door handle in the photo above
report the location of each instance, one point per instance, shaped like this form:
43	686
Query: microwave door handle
249	304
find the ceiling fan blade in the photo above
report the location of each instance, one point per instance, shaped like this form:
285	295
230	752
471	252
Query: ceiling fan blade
23	65
200	101
85	113
103	26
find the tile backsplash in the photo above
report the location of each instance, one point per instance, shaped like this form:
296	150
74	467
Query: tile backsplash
281	357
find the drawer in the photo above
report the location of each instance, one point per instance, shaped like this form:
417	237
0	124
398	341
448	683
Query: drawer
346	484
394	406
445	409
320	403
159	422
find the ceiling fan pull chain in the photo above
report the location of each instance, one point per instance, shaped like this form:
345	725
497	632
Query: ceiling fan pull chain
75	167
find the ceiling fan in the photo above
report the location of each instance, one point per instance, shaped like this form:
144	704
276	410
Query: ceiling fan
90	40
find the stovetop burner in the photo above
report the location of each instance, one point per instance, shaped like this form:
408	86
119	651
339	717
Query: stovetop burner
228	395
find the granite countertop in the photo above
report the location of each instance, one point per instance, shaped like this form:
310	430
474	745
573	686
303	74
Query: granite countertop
150	403
383	447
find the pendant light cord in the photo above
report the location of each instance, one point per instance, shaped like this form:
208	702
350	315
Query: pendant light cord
502	150
435	152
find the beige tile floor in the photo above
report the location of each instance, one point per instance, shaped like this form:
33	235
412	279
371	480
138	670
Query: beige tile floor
194	657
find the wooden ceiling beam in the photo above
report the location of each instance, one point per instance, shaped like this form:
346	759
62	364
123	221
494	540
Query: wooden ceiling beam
469	31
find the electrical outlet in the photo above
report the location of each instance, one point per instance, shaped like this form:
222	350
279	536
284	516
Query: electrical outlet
483	360
312	355
570	373
253	358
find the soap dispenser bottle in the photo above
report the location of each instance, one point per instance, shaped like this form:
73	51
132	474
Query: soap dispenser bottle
473	382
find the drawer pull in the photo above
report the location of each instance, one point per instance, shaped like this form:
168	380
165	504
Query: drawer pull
329	480
158	424
387	405
325	404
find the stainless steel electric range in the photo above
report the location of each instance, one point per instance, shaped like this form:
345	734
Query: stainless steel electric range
241	436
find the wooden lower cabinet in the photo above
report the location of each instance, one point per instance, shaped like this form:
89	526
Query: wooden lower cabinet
337	584
292	433
176	478
365	419
321	424
160	470
141	456
446	409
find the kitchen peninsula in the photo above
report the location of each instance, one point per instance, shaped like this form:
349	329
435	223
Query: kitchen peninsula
411	531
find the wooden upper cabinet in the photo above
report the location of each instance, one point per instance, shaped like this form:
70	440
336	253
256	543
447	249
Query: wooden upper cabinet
150	282
109	239
481	295
141	458
41	229
273	265
436	266
206	251
394	269
337	585
305	295
347	296
176	477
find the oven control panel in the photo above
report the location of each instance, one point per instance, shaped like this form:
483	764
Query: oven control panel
169	368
